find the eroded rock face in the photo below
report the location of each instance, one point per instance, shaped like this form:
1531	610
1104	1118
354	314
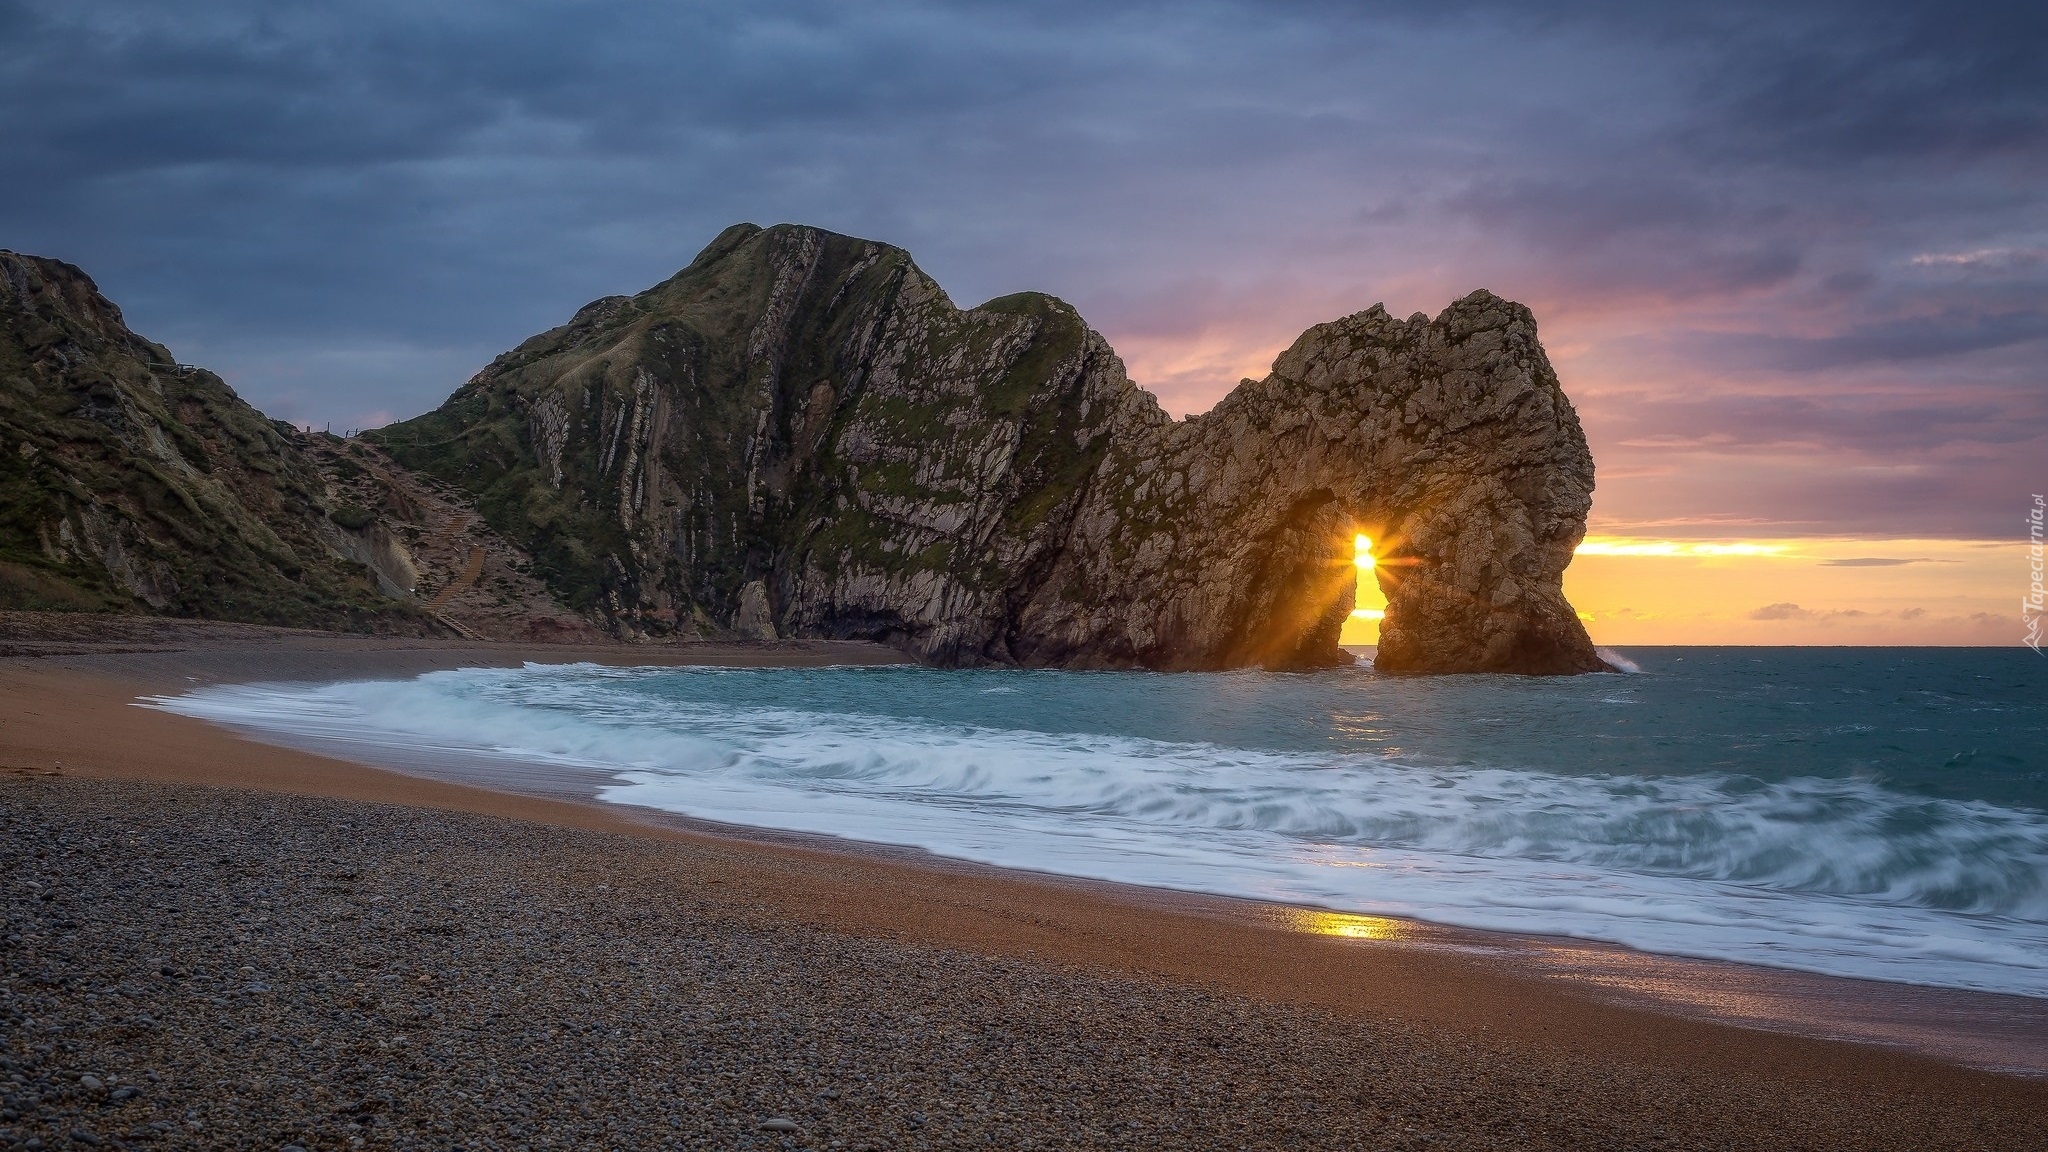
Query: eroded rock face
130	482
1225	540
800	435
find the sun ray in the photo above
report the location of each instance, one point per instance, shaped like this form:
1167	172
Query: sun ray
1369	605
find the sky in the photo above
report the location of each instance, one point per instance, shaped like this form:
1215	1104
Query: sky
1789	259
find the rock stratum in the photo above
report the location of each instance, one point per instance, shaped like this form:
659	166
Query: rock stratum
800	435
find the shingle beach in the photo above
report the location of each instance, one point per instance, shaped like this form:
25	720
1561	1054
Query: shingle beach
211	943
196	968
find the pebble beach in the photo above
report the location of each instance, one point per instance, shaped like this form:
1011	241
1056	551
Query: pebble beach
211	969
190	967
209	943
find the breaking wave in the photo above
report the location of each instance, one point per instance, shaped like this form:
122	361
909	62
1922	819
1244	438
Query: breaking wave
1840	874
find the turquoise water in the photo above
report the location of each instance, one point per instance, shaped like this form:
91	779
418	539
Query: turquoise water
1865	812
1966	724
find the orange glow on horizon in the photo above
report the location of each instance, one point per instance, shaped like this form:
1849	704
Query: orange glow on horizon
1622	546
1783	591
1799	591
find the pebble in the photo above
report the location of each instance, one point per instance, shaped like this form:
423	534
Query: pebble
663	1013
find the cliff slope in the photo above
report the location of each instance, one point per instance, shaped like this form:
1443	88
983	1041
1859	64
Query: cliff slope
130	481
800	435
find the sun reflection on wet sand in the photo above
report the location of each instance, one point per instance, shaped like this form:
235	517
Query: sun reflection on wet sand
1348	925
1982	1029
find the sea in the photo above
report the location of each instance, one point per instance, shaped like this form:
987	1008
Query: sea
1866	812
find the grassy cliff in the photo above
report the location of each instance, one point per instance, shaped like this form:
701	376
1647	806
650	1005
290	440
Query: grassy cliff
794	413
129	482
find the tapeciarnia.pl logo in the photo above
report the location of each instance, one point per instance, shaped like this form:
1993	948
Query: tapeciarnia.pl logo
2036	603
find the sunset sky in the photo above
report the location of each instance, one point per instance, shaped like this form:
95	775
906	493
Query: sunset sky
1790	259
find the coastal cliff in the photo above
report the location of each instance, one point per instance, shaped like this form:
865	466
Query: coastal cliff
800	435
132	483
129	481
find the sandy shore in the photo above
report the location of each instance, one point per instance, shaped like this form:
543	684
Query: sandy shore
1410	1046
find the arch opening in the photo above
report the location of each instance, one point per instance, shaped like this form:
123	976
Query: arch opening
1322	587
1369	599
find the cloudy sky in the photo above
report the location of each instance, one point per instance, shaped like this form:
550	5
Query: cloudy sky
1791	259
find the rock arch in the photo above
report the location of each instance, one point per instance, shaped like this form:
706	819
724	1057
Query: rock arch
800	435
1449	441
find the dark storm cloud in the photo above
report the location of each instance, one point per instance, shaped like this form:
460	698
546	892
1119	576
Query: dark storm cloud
1918	82
1824	82
365	158
1653	233
349	207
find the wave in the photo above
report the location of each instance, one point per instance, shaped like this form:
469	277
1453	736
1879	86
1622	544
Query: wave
1831	875
1617	661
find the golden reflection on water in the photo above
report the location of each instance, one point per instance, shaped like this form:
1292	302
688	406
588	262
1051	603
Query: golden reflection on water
1346	924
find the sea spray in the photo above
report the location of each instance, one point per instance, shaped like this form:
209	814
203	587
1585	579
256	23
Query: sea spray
1617	661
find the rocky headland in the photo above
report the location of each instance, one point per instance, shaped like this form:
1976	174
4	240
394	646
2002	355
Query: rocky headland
800	436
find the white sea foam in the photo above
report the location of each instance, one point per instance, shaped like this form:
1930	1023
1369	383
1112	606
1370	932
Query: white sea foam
1835	875
1617	661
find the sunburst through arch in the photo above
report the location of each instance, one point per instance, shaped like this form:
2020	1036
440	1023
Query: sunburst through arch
1369	603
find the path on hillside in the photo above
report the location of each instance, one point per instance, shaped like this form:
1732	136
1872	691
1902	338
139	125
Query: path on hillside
470	572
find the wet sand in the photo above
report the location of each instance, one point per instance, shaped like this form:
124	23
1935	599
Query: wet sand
1626	1029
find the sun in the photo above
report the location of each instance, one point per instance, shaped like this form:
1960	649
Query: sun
1369	604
